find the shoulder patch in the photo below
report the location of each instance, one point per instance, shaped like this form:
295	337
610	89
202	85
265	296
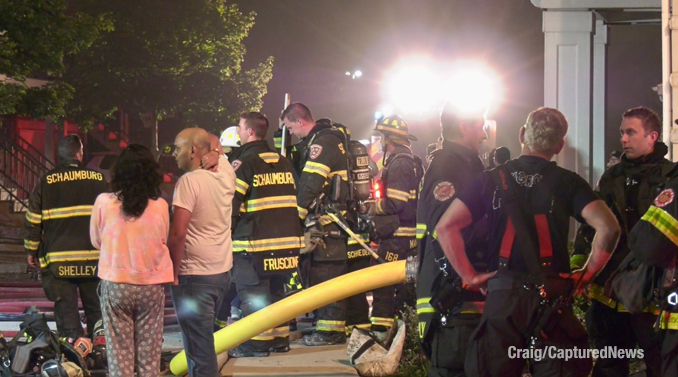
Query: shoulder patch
236	164
443	191
314	151
664	198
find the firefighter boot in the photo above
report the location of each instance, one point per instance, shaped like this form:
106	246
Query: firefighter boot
239	352
324	339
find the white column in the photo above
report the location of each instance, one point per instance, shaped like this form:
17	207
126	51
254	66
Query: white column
568	49
599	63
673	79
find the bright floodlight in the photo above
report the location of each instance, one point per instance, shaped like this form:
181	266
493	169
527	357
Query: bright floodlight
386	110
470	91
358	73
413	88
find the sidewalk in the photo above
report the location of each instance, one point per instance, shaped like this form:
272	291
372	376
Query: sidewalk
330	361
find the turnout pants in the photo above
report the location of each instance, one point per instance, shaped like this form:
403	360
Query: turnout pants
133	323
670	353
449	345
331	318
64	293
604	323
267	291
357	307
387	299
509	311
196	300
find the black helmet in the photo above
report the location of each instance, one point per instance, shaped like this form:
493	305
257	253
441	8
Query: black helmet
394	125
52	368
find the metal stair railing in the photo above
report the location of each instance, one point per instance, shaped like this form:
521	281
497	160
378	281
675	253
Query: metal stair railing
32	151
18	169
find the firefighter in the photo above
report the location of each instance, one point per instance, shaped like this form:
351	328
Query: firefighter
529	202
453	167
58	242
628	188
395	213
654	240
265	249
322	157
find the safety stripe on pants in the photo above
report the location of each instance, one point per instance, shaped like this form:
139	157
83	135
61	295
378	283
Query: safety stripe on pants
364	326
331	326
381	321
278	332
424	306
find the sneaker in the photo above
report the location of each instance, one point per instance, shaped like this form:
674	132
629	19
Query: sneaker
238	352
318	339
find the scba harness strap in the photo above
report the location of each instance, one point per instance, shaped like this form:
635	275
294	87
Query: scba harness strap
516	225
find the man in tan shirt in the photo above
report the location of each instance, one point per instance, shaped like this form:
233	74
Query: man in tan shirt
200	246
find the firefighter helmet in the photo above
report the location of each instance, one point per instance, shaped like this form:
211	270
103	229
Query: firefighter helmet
230	137
394	125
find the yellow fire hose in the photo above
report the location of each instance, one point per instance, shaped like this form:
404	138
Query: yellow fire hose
339	288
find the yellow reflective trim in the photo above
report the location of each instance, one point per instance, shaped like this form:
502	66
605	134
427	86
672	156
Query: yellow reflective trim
273	202
31	245
664	222
303	212
69	256
278	332
397	195
363	237
33	218
342	173
380	210
270	157
242	208
421	231
241	186
405	232
413	194
472	307
380	321
349	328
269	244
325	219
596	293
668	321
317	168
424	306
65	212
334	326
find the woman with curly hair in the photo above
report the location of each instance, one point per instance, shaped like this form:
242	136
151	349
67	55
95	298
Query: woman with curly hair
130	227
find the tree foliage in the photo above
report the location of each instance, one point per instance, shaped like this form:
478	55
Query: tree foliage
167	57
35	38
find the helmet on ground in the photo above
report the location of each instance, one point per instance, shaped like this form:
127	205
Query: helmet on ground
393	125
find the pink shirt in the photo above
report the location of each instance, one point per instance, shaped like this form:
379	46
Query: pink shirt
133	251
209	197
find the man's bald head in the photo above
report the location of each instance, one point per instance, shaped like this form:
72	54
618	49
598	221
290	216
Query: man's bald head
189	147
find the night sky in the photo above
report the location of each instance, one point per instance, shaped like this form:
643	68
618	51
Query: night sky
314	42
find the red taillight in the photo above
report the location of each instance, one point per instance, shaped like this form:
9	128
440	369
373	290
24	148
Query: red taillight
377	192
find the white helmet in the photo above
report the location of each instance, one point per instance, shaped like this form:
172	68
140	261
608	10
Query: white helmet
230	138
